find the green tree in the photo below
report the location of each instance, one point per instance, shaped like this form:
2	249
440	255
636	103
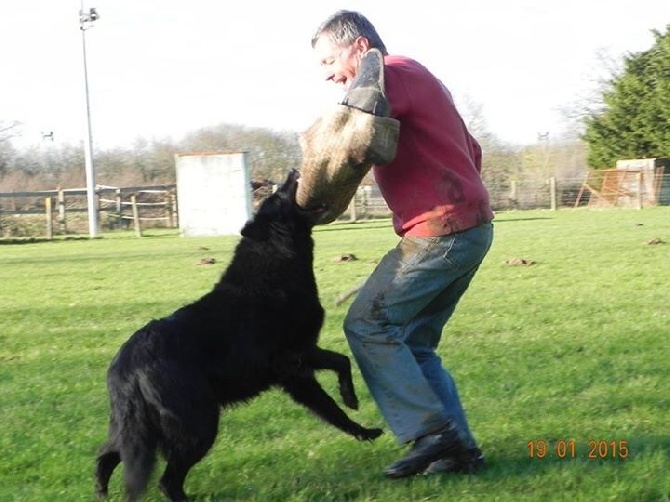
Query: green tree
634	121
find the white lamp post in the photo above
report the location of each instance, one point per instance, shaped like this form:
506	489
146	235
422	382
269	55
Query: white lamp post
85	22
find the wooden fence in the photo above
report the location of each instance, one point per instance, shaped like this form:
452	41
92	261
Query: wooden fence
140	205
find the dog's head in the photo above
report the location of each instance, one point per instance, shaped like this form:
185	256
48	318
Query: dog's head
280	212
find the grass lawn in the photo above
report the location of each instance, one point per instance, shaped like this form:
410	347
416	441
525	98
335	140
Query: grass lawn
563	365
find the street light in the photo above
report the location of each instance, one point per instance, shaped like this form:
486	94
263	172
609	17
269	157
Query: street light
85	22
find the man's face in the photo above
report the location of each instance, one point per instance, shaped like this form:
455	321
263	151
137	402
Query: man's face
339	63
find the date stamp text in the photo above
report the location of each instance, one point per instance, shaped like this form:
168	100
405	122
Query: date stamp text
593	449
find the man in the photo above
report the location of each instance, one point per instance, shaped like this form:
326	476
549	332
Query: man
441	212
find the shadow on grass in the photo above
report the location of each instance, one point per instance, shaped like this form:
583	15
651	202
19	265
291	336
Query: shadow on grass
34	240
123	234
513	220
349	475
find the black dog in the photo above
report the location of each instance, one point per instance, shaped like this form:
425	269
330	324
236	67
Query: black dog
258	328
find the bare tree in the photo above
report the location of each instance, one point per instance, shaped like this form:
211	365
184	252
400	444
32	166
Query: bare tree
271	153
9	130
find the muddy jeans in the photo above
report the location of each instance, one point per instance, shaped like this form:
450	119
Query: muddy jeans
395	324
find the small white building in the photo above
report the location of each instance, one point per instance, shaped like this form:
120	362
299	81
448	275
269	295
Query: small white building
214	195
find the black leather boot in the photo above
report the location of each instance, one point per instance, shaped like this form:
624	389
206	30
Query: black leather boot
366	92
446	442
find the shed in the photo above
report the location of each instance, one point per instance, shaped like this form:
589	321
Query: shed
214	195
655	178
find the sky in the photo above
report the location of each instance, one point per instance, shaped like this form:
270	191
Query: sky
159	69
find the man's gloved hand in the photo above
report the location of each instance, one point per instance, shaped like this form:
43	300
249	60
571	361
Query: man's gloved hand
366	92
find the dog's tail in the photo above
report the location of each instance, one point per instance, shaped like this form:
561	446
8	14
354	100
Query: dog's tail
137	441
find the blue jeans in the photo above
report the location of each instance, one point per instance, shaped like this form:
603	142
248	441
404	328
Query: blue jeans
395	324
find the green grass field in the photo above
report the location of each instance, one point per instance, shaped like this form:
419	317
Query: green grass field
571	353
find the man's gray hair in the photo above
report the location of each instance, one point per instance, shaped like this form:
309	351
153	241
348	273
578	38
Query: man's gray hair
345	26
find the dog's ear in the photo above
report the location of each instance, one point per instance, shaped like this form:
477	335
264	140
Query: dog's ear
290	185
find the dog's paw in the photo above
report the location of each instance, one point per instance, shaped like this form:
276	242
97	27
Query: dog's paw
369	434
349	397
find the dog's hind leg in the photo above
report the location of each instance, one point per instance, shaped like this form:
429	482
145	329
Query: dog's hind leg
321	359
189	431
107	461
307	391
180	459
171	483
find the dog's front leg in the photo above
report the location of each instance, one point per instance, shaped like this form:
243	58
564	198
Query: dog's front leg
321	359
307	391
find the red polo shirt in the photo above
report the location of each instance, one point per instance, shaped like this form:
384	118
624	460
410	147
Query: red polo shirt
433	186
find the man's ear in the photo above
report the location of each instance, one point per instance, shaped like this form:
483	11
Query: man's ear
256	230
362	44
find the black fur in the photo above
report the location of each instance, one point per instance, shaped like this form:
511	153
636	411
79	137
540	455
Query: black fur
258	328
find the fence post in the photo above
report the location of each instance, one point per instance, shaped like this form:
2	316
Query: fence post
640	189
119	209
552	193
136	216
172	209
62	222
352	209
168	210
49	216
